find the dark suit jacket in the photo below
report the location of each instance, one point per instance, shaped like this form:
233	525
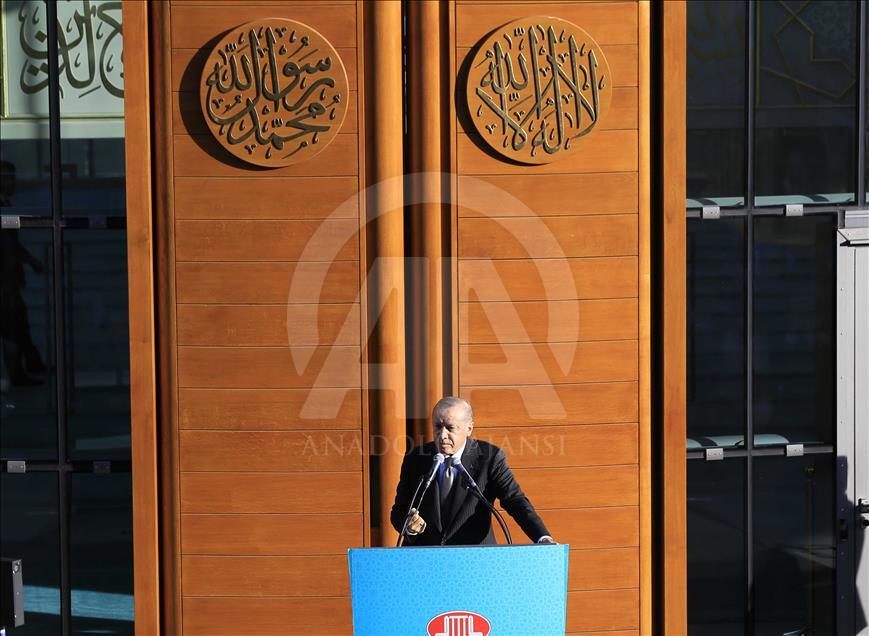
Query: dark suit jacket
468	522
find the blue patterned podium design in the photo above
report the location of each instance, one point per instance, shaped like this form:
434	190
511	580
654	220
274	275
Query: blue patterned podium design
518	590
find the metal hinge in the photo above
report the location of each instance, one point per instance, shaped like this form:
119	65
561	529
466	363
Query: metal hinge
17	466
794	450
10	222
714	454
710	212
794	209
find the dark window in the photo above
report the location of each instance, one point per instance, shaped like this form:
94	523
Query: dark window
64	376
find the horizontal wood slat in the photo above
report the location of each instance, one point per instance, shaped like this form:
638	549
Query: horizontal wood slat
267	198
562	404
605	22
547	195
265	451
267	283
622	59
197	26
606	610
604	569
558	446
295	493
579	487
202	156
187	114
553	237
267	616
586	528
548	279
187	67
264	534
297	240
554	363
603	151
268	368
265	575
264	409
268	325
556	321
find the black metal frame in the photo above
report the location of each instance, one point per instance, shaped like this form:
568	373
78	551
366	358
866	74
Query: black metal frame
749	211
56	222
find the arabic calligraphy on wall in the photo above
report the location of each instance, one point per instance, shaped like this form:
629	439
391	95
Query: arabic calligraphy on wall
90	52
535	87
274	92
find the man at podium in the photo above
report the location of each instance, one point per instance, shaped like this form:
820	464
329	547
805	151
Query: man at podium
450	514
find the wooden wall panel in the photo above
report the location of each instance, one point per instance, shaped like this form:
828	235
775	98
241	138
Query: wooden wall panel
548	319
266	575
268	616
267	318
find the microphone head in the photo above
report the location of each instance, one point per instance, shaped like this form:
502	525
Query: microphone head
439	459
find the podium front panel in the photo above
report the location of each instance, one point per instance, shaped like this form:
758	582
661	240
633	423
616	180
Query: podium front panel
459	591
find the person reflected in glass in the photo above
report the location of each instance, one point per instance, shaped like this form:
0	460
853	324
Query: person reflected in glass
20	354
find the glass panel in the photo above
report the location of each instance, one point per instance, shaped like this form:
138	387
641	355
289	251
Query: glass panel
794	545
101	539
28	423
24	157
716	547
806	101
716	332
794	314
716	103
99	358
92	108
29	523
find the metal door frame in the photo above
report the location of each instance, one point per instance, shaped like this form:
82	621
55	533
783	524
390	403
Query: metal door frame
852	439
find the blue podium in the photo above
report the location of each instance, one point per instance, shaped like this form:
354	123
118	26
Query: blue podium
518	590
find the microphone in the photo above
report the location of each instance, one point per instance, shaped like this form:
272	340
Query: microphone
436	463
457	463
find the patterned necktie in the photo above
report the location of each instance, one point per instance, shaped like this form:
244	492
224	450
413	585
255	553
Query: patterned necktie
446	480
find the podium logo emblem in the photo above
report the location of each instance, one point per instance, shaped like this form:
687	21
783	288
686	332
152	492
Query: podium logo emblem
459	624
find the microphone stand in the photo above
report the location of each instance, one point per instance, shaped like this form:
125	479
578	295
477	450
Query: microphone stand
439	459
475	489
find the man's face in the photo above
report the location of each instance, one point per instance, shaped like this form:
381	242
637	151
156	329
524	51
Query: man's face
451	429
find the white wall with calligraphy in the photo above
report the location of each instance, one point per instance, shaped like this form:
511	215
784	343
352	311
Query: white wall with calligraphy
90	63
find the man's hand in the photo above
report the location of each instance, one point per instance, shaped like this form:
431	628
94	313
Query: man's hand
416	525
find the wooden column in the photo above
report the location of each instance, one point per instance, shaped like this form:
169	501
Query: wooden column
427	104
644	34
673	469
140	276
385	249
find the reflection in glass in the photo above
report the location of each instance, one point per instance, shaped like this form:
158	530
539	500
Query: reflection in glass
716	547
99	359
716	103
794	545
29	531
101	539
793	322
716	332
24	153
806	101
28	425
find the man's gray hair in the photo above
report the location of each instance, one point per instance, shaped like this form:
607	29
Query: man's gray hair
446	403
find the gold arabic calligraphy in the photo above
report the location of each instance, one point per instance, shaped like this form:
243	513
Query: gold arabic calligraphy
535	87
274	92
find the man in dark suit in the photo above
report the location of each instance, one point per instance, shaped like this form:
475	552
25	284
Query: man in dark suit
450	514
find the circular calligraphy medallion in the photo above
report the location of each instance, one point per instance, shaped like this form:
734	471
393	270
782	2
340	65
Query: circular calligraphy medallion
535	87
274	92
